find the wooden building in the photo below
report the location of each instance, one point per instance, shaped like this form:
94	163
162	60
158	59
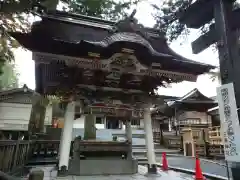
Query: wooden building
15	110
161	123
215	139
191	121
94	61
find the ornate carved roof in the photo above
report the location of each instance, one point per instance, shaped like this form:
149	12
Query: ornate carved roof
75	31
65	46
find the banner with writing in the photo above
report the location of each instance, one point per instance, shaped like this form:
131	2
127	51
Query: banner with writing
230	129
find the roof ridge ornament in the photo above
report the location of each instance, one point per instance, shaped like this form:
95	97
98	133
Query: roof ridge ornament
130	24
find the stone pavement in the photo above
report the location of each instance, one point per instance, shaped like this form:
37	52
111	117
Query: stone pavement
178	161
207	166
50	174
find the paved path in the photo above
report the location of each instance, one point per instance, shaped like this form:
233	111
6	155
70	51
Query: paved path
179	161
189	163
50	174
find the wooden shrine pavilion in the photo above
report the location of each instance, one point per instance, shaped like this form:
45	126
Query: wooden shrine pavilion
94	61
191	119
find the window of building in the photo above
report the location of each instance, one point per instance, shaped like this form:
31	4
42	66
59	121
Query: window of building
99	120
135	122
113	123
77	109
77	115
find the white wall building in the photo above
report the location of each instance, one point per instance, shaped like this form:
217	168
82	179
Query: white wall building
15	109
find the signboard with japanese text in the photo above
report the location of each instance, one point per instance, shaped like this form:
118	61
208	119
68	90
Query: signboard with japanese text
230	129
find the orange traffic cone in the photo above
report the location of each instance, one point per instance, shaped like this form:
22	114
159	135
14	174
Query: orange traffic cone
164	162
198	170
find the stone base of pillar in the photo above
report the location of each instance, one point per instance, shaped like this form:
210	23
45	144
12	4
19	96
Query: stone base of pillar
152	169
62	171
235	167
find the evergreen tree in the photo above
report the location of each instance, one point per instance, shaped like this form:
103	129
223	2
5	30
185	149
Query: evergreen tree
166	17
14	16
105	9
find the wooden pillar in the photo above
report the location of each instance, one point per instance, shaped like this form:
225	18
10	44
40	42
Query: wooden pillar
161	134
16	153
37	116
89	127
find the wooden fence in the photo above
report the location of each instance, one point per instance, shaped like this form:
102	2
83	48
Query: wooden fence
44	148
13	155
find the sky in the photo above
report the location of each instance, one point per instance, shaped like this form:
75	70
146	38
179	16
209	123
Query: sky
25	64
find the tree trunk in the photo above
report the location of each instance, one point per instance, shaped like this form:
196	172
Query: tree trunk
89	127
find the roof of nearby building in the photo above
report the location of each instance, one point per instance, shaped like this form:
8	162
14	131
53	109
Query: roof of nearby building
193	100
214	98
24	88
213	109
194	96
17	95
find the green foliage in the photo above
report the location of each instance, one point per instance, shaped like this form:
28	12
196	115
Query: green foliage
9	77
14	16
106	9
9	22
166	18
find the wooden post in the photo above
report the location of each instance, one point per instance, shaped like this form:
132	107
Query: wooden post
36	174
16	154
28	150
228	49
89	127
161	135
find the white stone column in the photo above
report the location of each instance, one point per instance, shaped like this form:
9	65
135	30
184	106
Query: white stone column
152	168
128	130
169	124
66	136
